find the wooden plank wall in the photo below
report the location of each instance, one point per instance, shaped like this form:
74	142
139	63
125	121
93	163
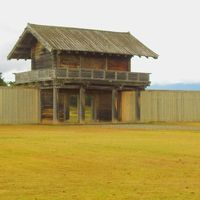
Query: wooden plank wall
94	62
104	111
162	106
41	58
69	60
47	104
118	64
19	105
170	106
128	111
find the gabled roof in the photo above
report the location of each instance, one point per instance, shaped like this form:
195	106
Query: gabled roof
81	40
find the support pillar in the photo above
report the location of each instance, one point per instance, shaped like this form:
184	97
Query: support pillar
66	107
114	105
119	106
95	107
55	105
81	105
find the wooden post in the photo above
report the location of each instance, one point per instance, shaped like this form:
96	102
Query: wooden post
66	107
137	104
93	108
81	105
114	107
119	106
55	105
95	105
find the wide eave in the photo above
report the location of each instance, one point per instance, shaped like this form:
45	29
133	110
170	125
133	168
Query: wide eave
78	40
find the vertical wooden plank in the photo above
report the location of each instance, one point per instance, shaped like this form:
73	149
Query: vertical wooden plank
81	110
18	105
55	105
137	105
66	107
39	106
95	107
119	106
128	106
114	107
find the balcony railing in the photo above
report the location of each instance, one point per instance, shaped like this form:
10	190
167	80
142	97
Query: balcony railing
80	74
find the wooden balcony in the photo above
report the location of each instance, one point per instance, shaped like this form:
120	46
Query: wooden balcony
129	78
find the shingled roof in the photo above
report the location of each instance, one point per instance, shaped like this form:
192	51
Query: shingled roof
78	40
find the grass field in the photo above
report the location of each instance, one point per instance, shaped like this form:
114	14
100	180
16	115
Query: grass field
93	163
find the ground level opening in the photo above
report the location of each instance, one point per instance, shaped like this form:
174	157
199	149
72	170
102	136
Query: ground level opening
72	106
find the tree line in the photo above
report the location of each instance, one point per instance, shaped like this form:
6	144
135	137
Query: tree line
4	83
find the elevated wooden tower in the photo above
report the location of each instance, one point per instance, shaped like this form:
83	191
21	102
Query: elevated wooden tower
81	73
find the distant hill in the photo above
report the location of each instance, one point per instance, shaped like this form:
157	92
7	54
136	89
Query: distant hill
177	86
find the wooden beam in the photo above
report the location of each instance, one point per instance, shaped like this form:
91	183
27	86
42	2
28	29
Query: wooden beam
55	105
22	51
93	108
80	62
114	106
81	109
66	107
119	106
95	105
24	46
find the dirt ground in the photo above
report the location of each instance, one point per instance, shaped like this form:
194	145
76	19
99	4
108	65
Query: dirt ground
156	126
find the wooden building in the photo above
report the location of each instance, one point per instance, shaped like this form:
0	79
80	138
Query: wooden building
81	73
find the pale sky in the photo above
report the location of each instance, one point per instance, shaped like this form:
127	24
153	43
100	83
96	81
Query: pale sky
171	28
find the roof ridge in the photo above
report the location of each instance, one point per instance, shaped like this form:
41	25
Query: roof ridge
86	29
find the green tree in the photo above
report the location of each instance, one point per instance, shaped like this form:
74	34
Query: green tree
11	83
2	82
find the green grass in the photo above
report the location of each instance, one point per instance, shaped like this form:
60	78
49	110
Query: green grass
92	163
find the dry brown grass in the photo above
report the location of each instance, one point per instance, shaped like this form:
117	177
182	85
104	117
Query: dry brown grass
83	163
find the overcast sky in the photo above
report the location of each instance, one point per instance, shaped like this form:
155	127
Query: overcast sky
171	28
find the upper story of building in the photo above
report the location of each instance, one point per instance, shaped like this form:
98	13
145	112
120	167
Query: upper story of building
79	54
